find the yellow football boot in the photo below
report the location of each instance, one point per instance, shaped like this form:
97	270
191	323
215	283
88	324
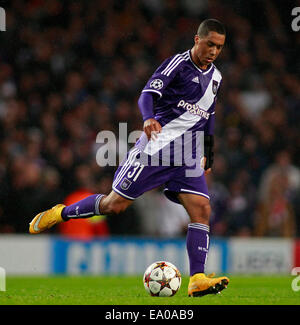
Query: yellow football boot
201	285
46	219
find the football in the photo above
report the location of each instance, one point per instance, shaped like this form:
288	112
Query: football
162	279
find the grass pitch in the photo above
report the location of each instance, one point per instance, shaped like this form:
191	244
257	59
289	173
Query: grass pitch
129	290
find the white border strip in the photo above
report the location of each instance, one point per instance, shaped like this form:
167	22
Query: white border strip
200	226
195	192
170	63
81	215
122	194
153	91
97	204
183	58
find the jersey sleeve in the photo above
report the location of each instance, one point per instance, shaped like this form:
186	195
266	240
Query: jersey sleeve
146	106
163	75
209	128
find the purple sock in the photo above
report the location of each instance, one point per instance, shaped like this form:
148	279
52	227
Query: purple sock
85	208
197	243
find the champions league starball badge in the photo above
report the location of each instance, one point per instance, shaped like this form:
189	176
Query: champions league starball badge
156	84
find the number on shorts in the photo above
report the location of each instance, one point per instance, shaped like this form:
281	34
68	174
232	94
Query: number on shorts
136	171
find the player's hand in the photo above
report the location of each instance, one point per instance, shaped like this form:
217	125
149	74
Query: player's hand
203	162
207	171
151	128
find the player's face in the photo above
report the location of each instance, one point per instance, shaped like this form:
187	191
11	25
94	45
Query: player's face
207	49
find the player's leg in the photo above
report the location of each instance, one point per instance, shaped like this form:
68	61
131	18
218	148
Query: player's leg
92	205
192	193
131	180
198	208
96	204
88	207
197	242
113	203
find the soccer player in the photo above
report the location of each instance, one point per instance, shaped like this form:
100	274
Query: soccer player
178	100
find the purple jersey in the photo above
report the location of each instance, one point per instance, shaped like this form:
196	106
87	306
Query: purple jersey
186	97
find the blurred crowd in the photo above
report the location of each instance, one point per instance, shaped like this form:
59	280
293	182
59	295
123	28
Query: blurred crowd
69	69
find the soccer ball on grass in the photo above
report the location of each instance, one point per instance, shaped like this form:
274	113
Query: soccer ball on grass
162	279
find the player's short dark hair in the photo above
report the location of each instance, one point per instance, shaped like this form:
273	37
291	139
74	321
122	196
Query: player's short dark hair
210	25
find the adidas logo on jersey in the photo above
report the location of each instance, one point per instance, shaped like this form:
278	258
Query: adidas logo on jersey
196	79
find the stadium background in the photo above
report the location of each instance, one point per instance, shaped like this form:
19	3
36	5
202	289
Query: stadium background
71	69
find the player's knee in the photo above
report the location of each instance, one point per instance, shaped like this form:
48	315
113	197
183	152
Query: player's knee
206	211
202	213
